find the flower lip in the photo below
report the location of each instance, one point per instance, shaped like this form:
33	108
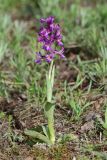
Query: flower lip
60	43
42	20
49	57
48	20
38	61
46	47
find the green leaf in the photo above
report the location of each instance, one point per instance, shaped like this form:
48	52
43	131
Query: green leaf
67	137
37	135
45	131
106	116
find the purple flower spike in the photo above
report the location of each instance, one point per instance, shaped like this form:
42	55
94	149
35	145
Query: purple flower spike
50	37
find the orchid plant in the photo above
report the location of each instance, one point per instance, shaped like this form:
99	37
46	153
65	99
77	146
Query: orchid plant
50	39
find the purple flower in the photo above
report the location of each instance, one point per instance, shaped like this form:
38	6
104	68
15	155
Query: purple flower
46	47
48	20
49	57
50	38
39	57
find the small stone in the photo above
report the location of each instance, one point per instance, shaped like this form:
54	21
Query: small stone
29	158
87	126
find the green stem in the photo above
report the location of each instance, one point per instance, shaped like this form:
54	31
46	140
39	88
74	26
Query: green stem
51	126
49	113
51	132
49	108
